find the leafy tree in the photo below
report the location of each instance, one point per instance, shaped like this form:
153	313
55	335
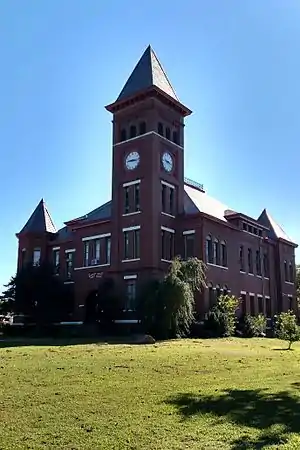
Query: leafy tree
7	298
167	306
221	320
255	326
286	327
39	295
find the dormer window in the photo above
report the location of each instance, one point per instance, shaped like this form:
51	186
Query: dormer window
123	135
142	127
132	131
160	128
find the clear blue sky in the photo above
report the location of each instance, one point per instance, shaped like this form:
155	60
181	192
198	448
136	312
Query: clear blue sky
234	63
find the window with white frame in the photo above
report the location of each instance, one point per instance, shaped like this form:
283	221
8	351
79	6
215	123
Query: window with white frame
167	244
189	243
69	264
131	243
130	294
36	256
96	250
56	260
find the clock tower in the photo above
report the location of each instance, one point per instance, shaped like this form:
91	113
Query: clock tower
148	171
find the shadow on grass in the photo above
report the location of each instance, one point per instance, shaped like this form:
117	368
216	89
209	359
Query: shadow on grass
250	408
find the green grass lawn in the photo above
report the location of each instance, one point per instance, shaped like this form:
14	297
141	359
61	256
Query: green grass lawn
190	394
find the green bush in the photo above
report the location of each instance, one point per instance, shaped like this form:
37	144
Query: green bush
286	327
254	326
221	320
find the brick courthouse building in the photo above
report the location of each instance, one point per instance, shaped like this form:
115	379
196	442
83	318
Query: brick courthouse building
156	213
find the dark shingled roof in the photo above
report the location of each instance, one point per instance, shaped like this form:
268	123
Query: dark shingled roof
148	72
40	221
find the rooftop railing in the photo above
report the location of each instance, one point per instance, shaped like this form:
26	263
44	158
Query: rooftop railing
194	184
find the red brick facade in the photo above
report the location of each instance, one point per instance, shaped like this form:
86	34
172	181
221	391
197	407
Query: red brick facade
156	214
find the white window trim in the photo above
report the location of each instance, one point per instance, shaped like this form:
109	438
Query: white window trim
127	320
55	249
168	215
290	296
91	267
97	236
243	293
166	260
291	283
259	296
268	297
130	260
70	250
131	213
252	294
130	277
170	230
186	232
131	183
137	227
216	265
69	282
171	186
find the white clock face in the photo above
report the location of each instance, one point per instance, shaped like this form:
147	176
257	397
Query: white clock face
167	162
132	160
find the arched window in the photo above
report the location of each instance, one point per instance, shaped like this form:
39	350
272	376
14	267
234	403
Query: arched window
211	298
208	250
175	137
266	265
291	273
132	131
142	127
123	135
285	271
250	261
168	133
160	128
216	252
242	260
223	254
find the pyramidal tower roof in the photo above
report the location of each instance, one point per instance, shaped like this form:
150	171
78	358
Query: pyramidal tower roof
276	231
148	72
40	221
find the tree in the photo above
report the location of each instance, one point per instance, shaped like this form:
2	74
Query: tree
298	284
7	298
168	306
39	295
221	320
286	328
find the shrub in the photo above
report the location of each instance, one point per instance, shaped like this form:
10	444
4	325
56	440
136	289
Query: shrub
221	319
286	327
254	326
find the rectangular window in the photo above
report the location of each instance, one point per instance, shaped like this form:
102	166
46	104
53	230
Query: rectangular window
252	305
209	250
168	199
163	197
266	266
244	304
216	249
242	261
56	261
250	261
131	197
260	302
258	263
223	254
107	250
69	264
126	200
189	245
96	251
86	252
167	244
36	256
131	244
136	197
23	257
268	307
291	273
285	271
131	294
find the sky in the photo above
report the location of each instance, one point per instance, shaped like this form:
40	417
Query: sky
234	63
